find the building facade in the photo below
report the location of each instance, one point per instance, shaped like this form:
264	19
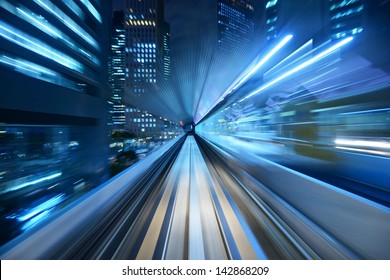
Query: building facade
147	57
325	19
53	99
144	124
166	51
235	25
117	66
304	20
141	47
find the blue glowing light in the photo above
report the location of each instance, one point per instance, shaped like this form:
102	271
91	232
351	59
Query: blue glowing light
26	65
35	220
92	10
252	71
68	22
37	71
264	60
42	24
33	182
299	67
41	207
24	40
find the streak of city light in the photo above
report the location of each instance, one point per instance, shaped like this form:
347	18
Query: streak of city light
299	67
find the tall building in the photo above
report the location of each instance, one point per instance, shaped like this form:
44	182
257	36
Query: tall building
303	19
320	19
166	51
346	18
141	47
235	25
53	99
117	67
147	55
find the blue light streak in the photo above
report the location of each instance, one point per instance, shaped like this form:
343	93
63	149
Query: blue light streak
25	65
290	58
92	10
37	71
41	207
264	60
300	67
252	71
26	41
42	24
68	22
74	8
33	182
35	220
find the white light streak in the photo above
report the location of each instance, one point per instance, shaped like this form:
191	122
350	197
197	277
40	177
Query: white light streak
300	67
68	22
250	73
363	143
290	57
33	182
26	41
264	60
41	23
92	10
43	26
380	153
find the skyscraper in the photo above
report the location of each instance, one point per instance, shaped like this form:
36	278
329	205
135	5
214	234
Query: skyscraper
145	32
235	25
147	55
166	49
117	66
303	19
141	46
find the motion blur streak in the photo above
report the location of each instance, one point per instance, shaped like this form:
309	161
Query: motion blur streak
363	143
33	182
301	66
198	202
253	70
288	158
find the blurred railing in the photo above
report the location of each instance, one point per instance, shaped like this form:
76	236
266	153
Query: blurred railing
81	229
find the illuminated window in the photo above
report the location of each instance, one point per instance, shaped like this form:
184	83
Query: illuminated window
271	3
